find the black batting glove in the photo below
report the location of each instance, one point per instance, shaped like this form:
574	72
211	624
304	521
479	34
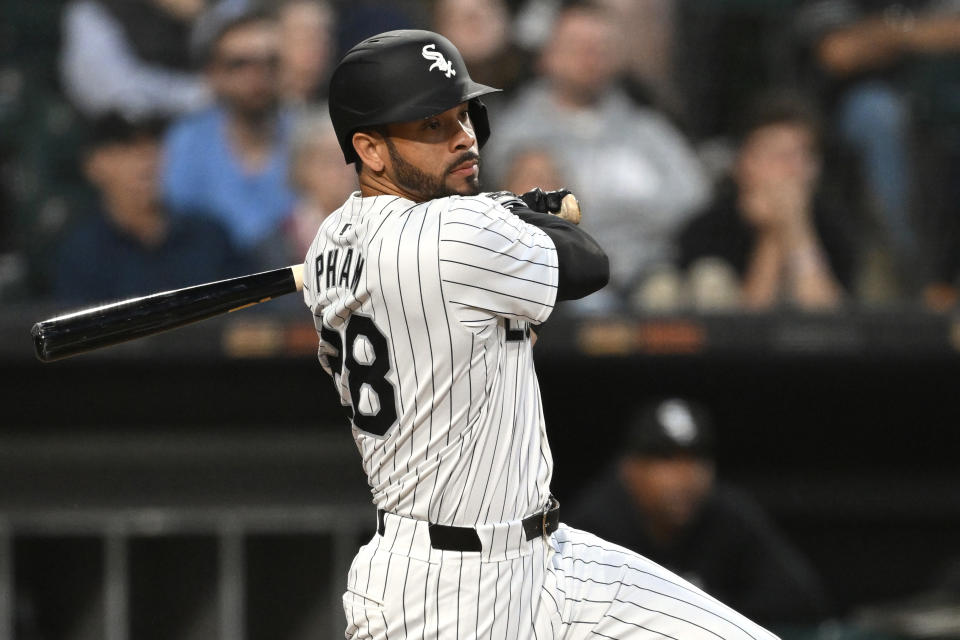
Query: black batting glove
544	201
536	199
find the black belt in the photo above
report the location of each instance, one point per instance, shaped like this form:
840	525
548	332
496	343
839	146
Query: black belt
467	539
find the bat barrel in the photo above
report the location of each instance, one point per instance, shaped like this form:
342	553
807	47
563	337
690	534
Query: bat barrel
93	328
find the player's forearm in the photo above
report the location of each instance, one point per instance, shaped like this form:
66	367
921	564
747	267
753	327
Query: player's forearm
583	265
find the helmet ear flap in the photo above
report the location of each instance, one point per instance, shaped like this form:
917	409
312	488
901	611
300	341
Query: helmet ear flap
481	123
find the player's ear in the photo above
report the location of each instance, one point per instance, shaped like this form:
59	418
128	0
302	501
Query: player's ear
371	148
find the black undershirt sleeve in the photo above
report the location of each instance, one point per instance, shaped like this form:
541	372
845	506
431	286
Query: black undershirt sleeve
584	267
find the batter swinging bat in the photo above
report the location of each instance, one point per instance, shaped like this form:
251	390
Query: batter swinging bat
89	329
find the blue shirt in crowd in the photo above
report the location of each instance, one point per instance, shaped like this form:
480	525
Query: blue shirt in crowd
202	174
98	262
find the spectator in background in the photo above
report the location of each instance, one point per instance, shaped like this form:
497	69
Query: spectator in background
320	178
531	167
635	174
889	76
481	30
131	57
661	499
307	35
232	161
131	246
650	69
360	19
767	223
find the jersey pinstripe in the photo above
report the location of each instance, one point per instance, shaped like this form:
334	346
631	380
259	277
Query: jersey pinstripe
423	312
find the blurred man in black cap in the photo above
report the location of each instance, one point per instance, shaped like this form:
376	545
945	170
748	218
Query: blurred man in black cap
661	499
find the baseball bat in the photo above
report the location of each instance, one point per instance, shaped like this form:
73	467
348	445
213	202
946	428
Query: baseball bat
570	209
93	328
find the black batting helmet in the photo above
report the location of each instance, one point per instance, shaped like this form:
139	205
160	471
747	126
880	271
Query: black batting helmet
400	76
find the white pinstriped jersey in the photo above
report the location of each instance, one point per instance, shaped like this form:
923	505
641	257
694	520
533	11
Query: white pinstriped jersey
423	312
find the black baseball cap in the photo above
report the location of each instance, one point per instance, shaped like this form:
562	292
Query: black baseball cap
670	427
115	128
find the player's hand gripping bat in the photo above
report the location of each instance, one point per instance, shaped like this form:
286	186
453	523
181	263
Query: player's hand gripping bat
560	202
109	324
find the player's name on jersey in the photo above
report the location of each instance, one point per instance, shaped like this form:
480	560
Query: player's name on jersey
339	268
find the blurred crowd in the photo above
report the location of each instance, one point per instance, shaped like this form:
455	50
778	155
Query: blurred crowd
728	154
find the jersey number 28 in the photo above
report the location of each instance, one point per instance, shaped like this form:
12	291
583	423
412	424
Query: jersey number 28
364	362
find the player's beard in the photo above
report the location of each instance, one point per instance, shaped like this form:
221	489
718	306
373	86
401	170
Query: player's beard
425	186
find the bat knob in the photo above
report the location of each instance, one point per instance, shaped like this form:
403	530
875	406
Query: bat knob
38	333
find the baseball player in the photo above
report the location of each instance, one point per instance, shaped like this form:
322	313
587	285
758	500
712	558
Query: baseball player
424	292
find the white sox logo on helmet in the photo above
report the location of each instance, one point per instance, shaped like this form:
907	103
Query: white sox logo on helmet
439	62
